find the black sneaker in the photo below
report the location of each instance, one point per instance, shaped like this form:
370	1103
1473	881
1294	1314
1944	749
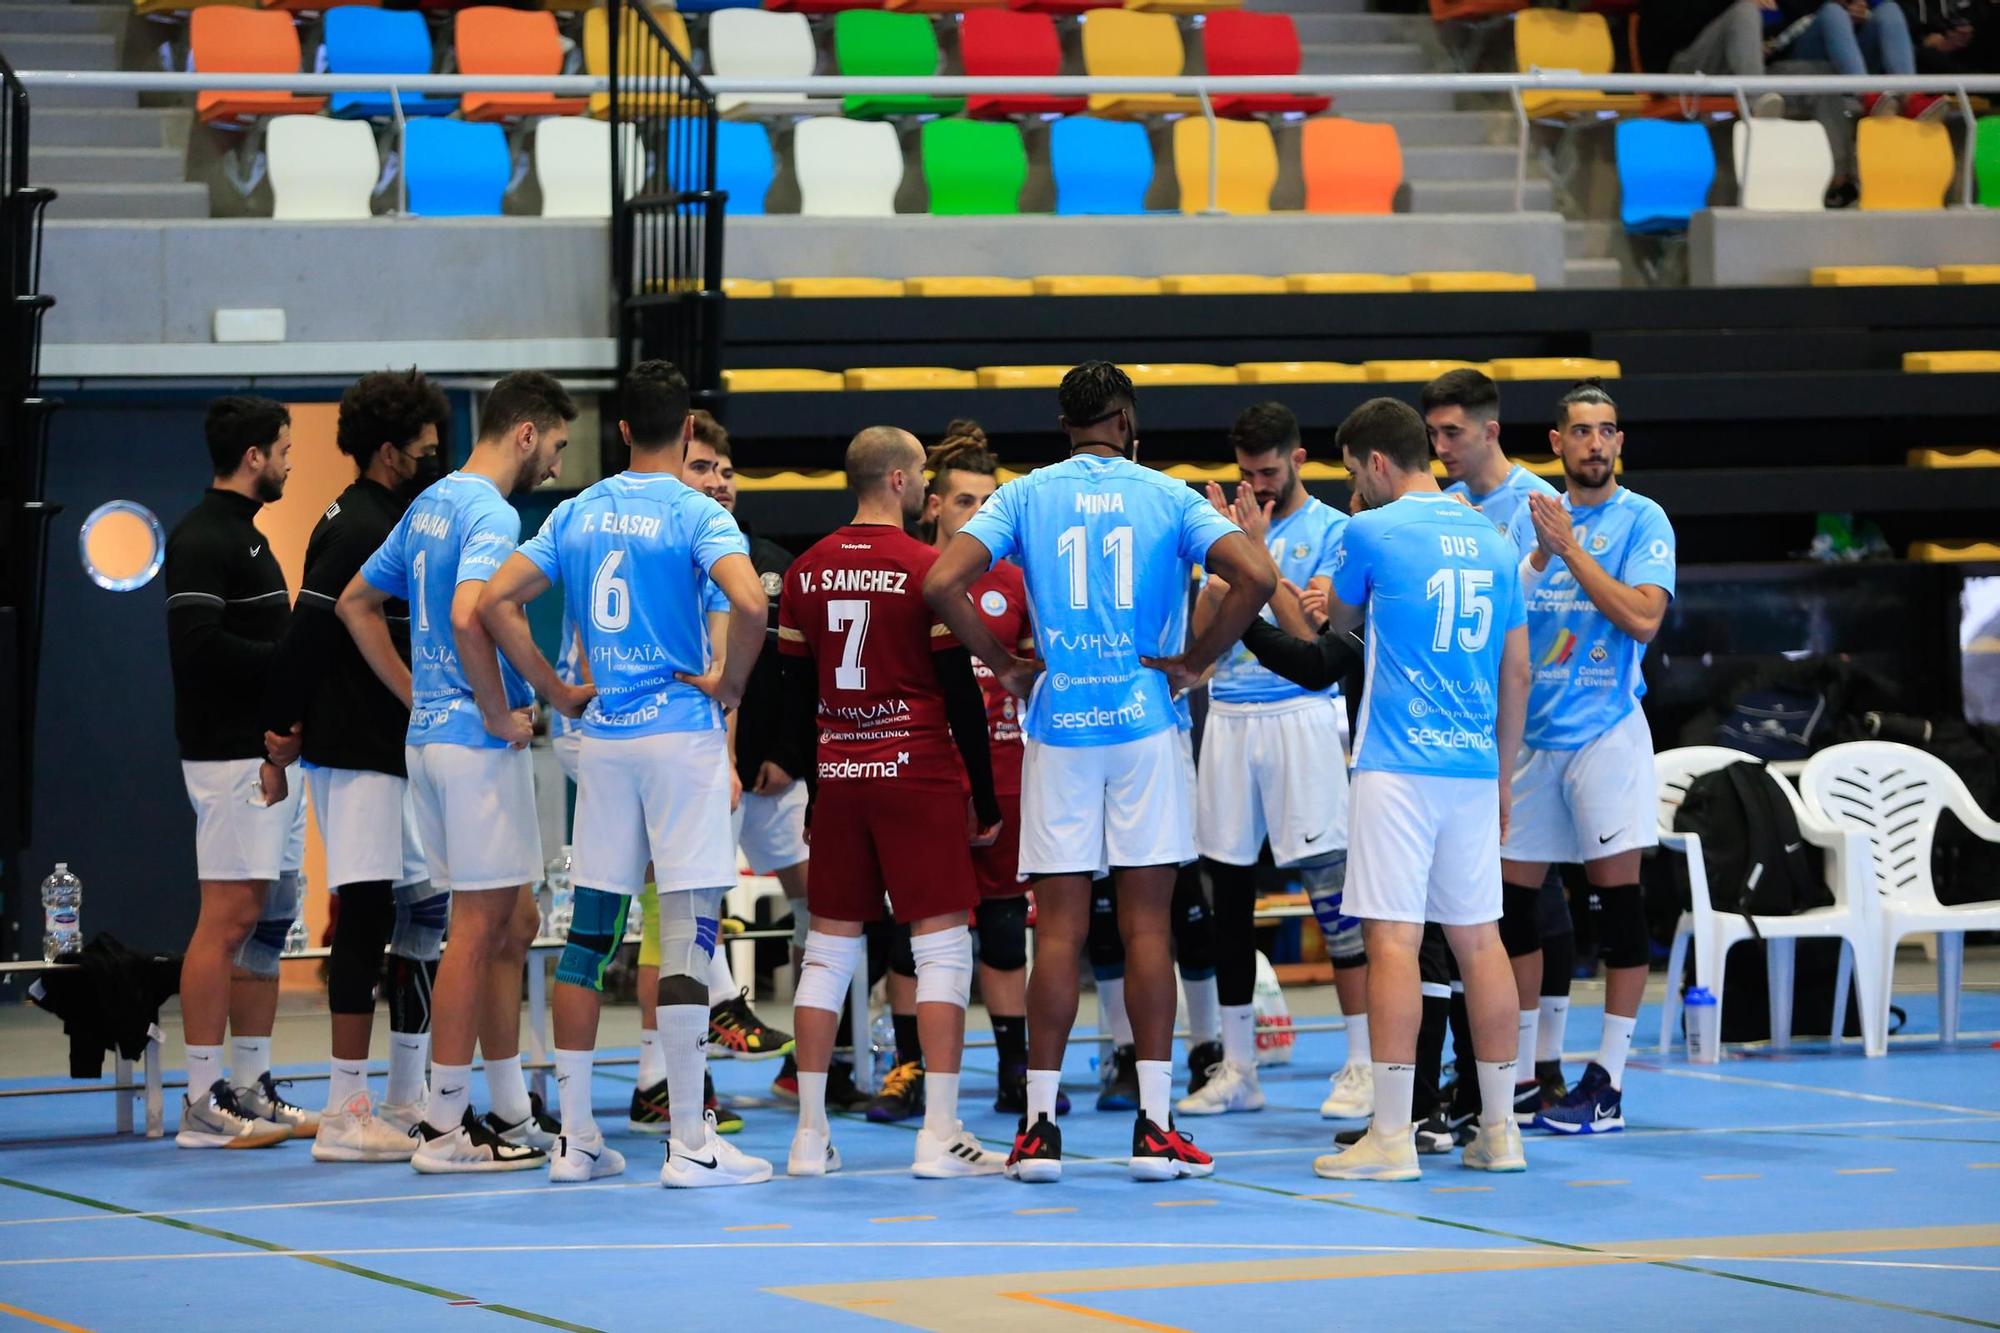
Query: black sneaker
735	1030
650	1113
1012	1096
1549	1073
902	1095
1165	1154
1527	1100
841	1094
1202	1060
470	1146
1037	1155
1118	1081
538	1131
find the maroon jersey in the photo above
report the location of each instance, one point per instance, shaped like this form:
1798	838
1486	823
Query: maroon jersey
1001	594
854	604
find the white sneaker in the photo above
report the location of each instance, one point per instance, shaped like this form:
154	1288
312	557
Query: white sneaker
1373	1158
1497	1148
470	1146
1353	1095
813	1154
261	1100
1230	1087
354	1133
537	1130
711	1162
584	1159
962	1154
403	1117
214	1119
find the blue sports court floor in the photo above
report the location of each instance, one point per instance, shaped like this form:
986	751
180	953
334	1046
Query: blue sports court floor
1804	1190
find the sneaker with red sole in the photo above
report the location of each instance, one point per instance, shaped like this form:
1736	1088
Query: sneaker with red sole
1037	1155
1165	1154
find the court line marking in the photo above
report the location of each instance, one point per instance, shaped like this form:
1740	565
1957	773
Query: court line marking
1459	1189
1866	1171
1104	1316
1041	1212
761	1226
1594	1184
1183	1203
46	1321
914	1217
1877	1098
1736	1175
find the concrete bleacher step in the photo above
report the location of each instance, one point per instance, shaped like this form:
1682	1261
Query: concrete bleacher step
1375	102
1593	273
1371	58
17	18
144	202
41	50
1588	240
1443	129
1448	196
1481	162
1324	29
99	99
143	127
67	167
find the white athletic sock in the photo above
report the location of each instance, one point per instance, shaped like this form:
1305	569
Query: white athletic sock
1204	1010
1111	1006
204	1067
249	1059
652	1060
1156	1091
812	1101
508	1089
1395	1091
1525	1046
721	982
1554	1023
1616	1045
344	1079
409	1052
1043	1084
684	1045
573	1094
1496	1091
451	1093
1239	1036
941	1104
1358	1052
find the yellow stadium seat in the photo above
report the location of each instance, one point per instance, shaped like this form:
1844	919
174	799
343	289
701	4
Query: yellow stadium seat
1405	371
639	60
784	479
1873	275
1316	471
1471	281
1020	377
1968	273
1203	473
1952	363
955	286
1549	39
1551	368
1246	175
1221	284
1903	164
840	286
1094	284
1950	552
1118	43
910	377
781	381
748	289
1180	372
1310	283
1299	372
1950	458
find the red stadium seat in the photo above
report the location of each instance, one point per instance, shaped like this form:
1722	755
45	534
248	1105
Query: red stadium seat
1238	43
998	43
1063	6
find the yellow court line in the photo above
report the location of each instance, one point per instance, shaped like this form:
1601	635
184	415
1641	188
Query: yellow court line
1592	1184
1040	1212
761	1226
44	1320
1316	1197
1105	1315
1982	1166
915	1217
1737	1175
1461	1189
1184	1203
1867	1170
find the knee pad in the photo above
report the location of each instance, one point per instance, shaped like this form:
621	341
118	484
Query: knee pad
596	928
367	912
649	930
1325	880
902	958
689	920
801	923
944	966
260	951
410	994
1620	915
1003	933
1520	919
828	970
421	916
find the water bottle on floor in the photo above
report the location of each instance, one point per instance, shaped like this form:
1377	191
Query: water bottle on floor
1703	1025
62	908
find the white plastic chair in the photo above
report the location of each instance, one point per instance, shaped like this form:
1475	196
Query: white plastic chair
1892	794
846	168
321	169
1789	165
573	165
1852	918
759	44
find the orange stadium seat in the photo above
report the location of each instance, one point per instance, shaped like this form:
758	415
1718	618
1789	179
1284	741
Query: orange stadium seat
223	39
511	42
1351	166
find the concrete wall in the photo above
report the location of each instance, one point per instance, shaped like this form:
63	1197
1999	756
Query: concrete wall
1729	247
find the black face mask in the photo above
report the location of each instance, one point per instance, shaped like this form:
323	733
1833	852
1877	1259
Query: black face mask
429	470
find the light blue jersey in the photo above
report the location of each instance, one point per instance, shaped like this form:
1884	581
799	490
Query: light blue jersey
1107	546
1441	589
569	670
632	554
1587	669
1303	543
1507	505
458	531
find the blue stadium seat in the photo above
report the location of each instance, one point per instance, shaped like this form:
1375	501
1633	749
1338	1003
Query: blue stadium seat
743	165
1100	166
1665	169
455	168
361	40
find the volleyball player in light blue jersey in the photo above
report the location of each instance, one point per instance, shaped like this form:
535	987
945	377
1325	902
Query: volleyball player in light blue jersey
1462	415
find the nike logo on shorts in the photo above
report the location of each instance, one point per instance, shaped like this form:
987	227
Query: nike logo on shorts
255	551
1609	836
1315	837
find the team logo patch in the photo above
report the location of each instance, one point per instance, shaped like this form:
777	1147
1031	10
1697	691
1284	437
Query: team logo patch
1559	651
1301	551
1599	543
1007	709
1597	654
993	602
1658	549
774	582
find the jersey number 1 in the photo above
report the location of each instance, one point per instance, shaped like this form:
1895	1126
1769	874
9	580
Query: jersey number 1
850	614
1463	596
1117	546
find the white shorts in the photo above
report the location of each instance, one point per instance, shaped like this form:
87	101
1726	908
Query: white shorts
1089	806
1423	848
1271	770
1576	806
295	842
566	745
237	836
476	816
663	799
771	830
369	826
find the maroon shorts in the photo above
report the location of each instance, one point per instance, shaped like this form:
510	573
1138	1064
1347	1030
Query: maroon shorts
997	866
869	838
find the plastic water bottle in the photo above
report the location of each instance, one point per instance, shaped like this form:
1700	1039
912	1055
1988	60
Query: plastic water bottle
1703	1025
562	898
882	1032
62	910
298	939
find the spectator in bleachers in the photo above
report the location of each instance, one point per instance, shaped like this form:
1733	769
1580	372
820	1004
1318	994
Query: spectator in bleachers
1857	37
1708	37
1955	36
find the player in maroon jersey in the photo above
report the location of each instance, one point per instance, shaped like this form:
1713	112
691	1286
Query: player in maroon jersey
897	711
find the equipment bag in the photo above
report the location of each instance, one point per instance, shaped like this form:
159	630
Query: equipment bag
1757	860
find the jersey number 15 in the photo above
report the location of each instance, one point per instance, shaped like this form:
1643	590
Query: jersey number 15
1461	595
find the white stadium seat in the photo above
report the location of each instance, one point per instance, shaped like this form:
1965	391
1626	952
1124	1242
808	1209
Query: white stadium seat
321	170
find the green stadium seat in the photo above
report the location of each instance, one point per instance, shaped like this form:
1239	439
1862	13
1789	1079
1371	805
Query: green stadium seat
870	41
974	167
1986	160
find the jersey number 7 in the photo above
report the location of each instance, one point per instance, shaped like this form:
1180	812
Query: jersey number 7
850	614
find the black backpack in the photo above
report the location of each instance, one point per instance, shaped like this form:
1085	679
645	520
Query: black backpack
1758	861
